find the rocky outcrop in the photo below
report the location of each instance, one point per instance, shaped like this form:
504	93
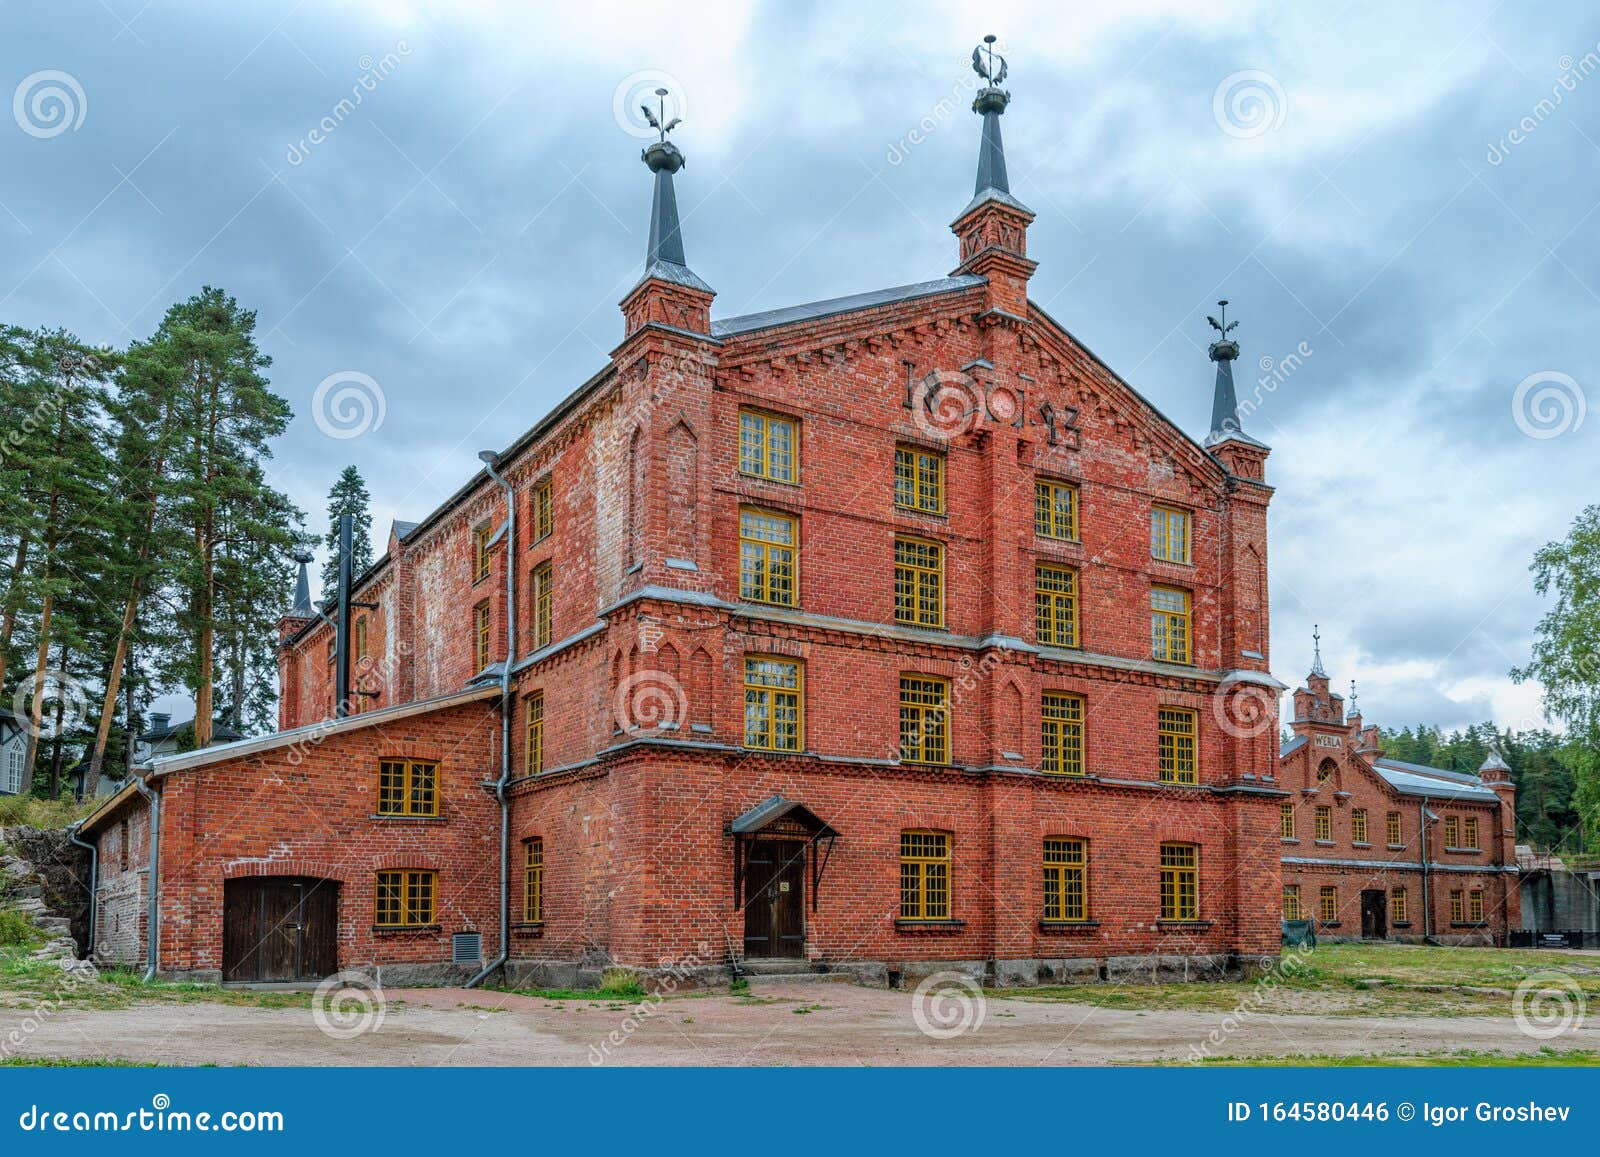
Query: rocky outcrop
45	876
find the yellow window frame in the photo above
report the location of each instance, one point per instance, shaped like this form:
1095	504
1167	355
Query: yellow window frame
1180	881
769	556
1291	903
919	479
1324	822
918	581
533	882
1328	904
1061	733
1452	832
1475	906
1170	614
1358	826
769	446
408	787
543	603
1394	833
1055	604
1397	905
405	898
1286	821
1055	510
482	562
482	629
1169	533
774	703
1066	880
924	719
1457	915
1469	832
544	522
1177	744
533	735
924	875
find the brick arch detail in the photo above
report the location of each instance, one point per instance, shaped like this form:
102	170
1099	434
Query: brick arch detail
320	869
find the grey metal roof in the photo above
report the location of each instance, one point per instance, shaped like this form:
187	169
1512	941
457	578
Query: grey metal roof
1293	745
1433	782
776	808
403	529
811	311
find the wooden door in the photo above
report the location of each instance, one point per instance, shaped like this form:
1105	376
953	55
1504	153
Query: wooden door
279	928
774	910
1374	914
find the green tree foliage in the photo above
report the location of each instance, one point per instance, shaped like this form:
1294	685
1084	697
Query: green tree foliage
348	496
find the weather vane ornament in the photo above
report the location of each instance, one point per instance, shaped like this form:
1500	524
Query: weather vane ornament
984	62
658	120
1225	348
1224	327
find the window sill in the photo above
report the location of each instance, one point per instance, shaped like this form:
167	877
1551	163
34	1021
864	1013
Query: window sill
1325	843
527	928
400	929
903	925
389	818
743	477
1396	847
1464	851
926	763
1067	927
940	514
1184	925
1330	924
1469	923
1400	924
1359	844
1288	840
1177	782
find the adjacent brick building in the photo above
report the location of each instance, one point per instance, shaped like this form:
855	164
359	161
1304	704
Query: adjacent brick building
1380	849
885	632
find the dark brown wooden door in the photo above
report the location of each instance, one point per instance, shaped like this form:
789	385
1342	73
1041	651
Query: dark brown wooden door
277	928
1374	914
774	910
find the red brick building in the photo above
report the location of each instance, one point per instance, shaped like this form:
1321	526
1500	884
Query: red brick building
1379	849
884	633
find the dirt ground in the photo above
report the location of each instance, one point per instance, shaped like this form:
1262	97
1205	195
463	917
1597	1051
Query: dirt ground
777	1024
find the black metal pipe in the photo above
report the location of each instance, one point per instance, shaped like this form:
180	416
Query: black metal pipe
341	628
94	879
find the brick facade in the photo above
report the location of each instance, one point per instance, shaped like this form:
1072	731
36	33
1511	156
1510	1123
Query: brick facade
1421	884
645	758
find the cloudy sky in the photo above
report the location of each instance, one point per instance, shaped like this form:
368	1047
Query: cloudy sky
1401	206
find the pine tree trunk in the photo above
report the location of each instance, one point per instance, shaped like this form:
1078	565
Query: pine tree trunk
36	705
8	619
102	735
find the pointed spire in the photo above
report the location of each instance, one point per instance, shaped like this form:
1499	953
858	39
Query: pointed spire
302	591
1316	652
664	258
992	184
1493	762
1225	423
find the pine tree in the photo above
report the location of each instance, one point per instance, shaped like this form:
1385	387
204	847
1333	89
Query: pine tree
214	492
348	496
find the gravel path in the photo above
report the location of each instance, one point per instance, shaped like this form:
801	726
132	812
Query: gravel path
785	1024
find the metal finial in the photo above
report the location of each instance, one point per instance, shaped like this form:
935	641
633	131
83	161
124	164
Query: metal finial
658	120
1224	327
1354	710
983	62
1316	645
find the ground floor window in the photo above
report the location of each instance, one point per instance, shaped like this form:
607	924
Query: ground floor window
1457	908
924	876
1065	887
1291	903
1328	903
1180	882
405	899
1397	905
1475	906
533	882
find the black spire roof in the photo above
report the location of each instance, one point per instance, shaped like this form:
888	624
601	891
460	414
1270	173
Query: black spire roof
1225	424
302	593
664	258
992	184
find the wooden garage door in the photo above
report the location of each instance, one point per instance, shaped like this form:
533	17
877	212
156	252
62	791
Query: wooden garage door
279	928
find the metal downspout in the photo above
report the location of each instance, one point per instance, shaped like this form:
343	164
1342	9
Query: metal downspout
94	880
489	458
153	914
1427	900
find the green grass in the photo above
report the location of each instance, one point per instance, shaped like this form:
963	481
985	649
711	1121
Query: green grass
25	983
616	984
16	930
1461	1058
29	812
74	1063
1331	981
